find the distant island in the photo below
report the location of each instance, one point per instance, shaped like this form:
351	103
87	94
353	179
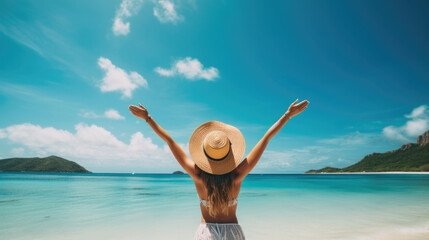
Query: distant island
411	157
178	172
47	164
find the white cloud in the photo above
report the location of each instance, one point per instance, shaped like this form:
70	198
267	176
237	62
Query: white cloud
111	114
317	159
418	124
298	159
2	134
165	72
127	9
120	28
394	133
116	79
90	115
189	68
93	145
16	152
416	127
417	112
356	138
276	159
165	11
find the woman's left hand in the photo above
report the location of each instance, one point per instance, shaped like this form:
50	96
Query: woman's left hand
140	112
295	109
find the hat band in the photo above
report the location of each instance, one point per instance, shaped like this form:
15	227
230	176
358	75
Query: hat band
218	159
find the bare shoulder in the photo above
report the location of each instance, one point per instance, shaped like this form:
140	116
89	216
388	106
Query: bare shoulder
196	175
242	170
238	178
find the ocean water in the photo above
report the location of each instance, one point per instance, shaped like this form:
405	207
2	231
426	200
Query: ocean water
165	206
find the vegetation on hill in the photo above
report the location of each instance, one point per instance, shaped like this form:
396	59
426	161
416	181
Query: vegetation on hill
411	157
178	172
47	164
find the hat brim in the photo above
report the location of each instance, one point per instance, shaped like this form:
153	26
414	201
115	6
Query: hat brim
230	162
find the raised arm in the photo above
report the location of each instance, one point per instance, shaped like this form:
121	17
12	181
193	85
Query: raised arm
179	154
252	159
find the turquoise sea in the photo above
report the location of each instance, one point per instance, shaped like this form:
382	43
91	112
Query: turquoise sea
165	206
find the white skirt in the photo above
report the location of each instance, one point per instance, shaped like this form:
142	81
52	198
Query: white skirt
219	231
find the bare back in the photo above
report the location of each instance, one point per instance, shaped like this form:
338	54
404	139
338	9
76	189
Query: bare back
203	194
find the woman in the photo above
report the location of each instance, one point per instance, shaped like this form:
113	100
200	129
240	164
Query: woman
217	170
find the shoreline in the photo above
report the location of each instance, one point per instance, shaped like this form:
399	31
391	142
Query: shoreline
371	173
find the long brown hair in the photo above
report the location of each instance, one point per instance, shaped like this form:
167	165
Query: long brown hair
220	191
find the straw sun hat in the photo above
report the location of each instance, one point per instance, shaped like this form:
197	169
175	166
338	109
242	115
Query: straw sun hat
217	148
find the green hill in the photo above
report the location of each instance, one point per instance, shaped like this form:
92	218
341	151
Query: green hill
47	164
411	157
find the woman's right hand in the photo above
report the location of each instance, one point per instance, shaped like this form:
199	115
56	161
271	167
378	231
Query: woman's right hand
295	109
140	112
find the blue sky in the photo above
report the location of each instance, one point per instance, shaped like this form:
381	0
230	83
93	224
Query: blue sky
70	69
